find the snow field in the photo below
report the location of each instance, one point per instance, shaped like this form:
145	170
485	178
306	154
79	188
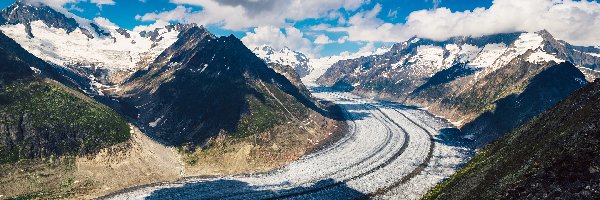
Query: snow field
117	52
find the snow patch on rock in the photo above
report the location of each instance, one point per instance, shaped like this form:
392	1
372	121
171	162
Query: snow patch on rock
539	57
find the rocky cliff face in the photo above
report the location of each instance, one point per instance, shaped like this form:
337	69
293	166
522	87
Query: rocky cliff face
464	77
553	156
289	73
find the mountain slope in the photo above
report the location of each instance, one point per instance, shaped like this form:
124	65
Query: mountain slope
220	108
225	108
541	92
56	143
464	77
41	118
182	86
203	85
552	156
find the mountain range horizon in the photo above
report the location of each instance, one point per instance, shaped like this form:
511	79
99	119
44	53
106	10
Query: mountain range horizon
185	103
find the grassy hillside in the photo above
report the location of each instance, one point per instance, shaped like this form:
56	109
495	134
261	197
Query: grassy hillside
555	155
41	119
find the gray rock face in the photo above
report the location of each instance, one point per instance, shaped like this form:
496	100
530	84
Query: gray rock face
22	13
155	36
577	55
124	32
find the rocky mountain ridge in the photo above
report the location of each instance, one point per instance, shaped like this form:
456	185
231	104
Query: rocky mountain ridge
463	77
208	104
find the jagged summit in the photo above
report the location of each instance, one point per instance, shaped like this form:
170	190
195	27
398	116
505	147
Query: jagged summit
419	59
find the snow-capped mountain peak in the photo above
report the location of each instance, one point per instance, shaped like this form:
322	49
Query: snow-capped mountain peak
285	56
96	50
409	64
264	50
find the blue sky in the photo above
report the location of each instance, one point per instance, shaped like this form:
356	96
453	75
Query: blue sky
330	27
124	12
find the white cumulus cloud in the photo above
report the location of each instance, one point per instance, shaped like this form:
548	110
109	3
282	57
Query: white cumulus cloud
244	14
290	37
103	2
577	22
322	39
61	3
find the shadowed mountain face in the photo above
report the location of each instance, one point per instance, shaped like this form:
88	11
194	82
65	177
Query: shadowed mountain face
543	91
553	156
40	117
203	85
179	83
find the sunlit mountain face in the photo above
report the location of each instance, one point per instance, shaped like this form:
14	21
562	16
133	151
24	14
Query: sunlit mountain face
299	99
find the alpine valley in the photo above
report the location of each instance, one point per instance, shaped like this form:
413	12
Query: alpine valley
185	102
91	110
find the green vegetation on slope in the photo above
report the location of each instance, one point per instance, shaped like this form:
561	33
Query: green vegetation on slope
556	155
259	119
40	119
